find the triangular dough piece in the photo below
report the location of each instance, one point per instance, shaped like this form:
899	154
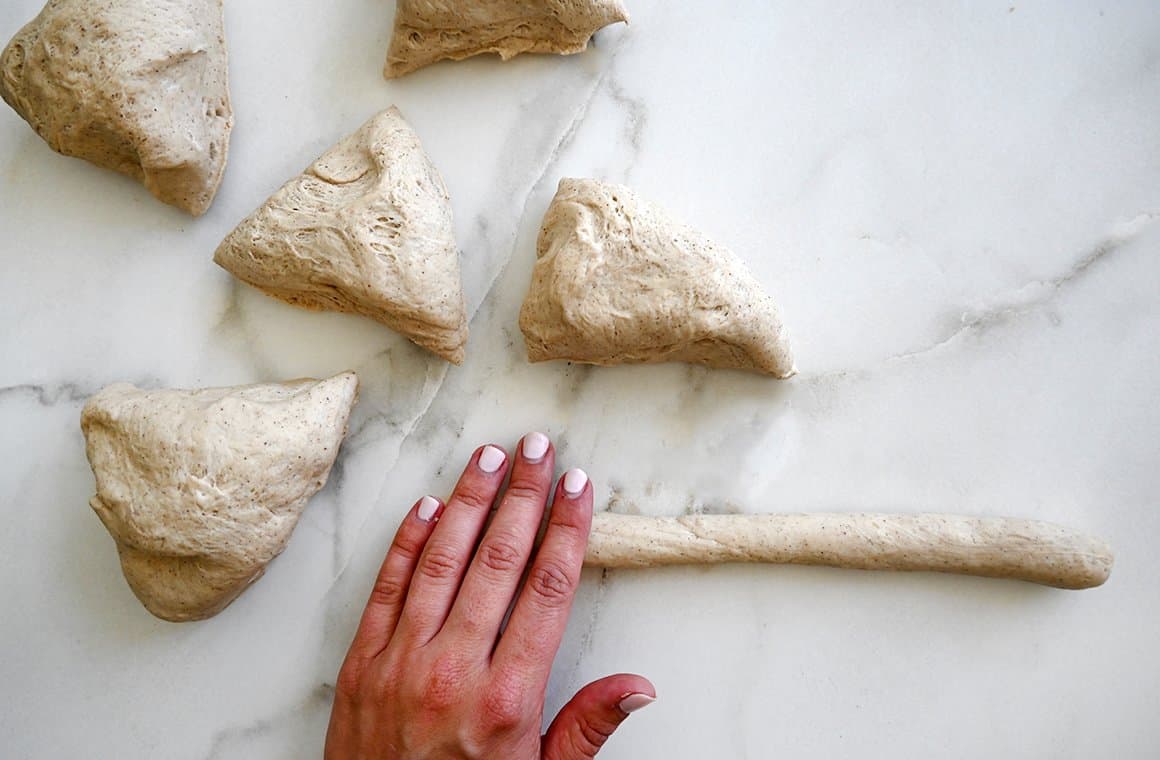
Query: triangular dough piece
617	280
130	85
426	32
201	489
365	229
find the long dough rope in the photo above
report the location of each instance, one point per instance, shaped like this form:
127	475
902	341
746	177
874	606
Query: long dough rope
996	547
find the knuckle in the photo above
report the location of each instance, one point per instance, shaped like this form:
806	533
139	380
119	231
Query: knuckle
440	563
500	555
503	706
349	680
591	735
571	525
526	491
406	547
443	686
550	584
388	592
475	498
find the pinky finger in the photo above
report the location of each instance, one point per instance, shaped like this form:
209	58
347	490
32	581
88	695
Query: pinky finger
381	615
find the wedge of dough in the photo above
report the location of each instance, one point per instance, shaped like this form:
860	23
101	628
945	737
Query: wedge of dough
201	489
136	86
617	280
426	32
365	229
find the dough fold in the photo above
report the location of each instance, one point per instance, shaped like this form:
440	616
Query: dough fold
136	86
201	489
427	31
366	229
617	280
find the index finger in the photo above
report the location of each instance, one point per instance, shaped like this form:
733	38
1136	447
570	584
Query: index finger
537	622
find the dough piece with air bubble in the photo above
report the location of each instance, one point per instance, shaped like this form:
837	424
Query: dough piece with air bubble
366	229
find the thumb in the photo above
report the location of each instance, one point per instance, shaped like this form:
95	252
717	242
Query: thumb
590	717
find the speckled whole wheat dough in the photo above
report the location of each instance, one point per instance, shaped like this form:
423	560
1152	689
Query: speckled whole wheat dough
365	229
201	489
993	547
617	280
427	31
136	86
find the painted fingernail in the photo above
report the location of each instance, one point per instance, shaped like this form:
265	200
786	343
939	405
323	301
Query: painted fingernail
634	702
491	459
428	507
574	481
535	446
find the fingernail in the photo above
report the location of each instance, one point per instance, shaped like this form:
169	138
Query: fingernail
574	481
535	446
491	459
428	506
634	702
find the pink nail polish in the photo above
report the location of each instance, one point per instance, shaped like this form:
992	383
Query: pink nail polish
428	507
491	459
535	446
574	481
634	702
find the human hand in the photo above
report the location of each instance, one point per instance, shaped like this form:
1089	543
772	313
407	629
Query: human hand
432	671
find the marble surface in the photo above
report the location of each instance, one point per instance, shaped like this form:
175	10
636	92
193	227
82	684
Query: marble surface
957	206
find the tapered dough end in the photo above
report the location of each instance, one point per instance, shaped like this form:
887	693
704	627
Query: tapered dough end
457	355
201	489
425	32
992	547
450	345
145	91
618	280
366	229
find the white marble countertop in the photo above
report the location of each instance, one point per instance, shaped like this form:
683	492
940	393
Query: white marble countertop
957	206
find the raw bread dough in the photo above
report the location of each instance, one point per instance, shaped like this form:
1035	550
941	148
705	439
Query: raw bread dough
201	489
426	31
137	86
617	280
365	229
994	547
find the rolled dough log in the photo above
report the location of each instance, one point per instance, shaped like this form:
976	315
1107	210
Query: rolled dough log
201	489
995	547
136	86
426	31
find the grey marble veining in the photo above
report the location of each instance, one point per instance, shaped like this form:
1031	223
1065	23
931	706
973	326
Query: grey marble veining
956	206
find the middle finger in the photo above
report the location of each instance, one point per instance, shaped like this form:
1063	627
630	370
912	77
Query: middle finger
494	575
